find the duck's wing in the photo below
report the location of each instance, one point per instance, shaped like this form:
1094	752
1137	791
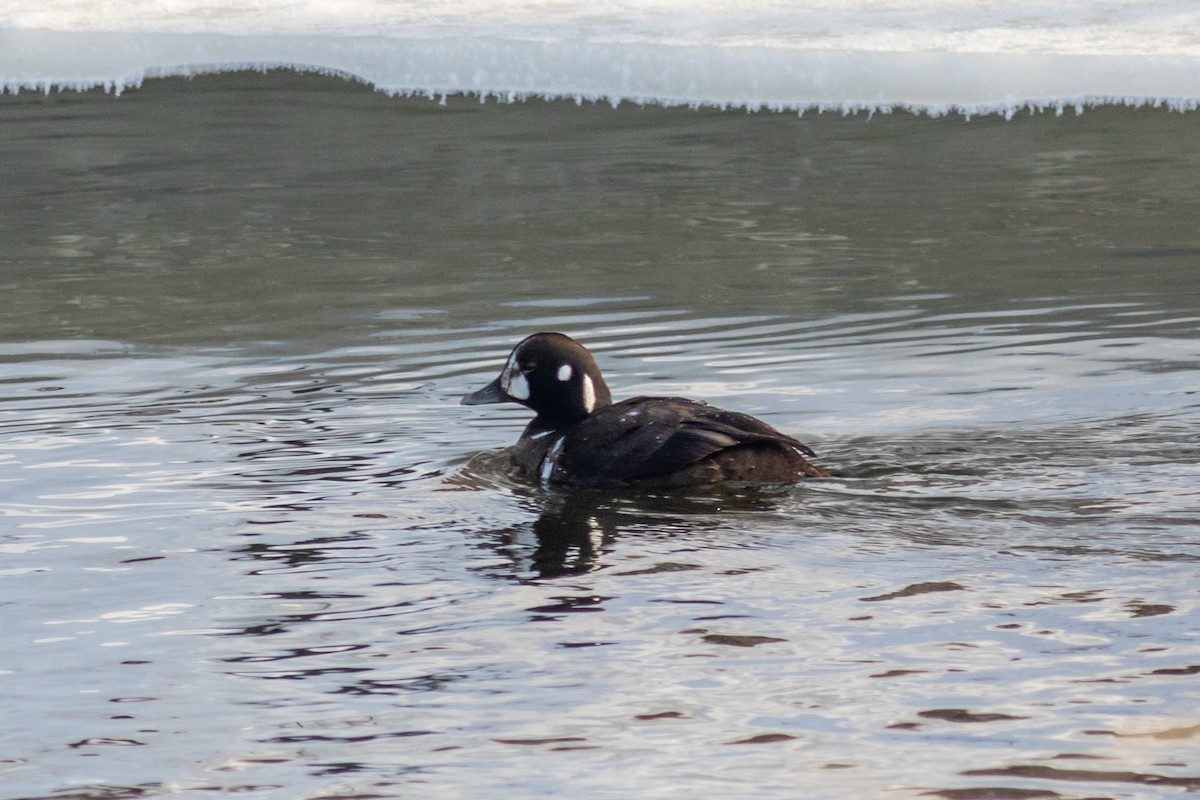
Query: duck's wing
643	437
746	429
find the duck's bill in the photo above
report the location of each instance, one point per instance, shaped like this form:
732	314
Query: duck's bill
492	393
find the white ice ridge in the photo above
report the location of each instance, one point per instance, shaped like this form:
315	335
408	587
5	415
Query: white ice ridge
935	56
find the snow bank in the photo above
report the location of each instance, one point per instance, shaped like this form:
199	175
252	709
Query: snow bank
935	56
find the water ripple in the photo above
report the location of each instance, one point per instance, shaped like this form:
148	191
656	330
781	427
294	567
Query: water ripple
252	543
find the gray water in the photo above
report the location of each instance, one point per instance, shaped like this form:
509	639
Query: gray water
252	544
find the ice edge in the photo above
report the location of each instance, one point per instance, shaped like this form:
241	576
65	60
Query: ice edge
662	74
1009	107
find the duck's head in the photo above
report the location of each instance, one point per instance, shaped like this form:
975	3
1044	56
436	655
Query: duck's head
553	375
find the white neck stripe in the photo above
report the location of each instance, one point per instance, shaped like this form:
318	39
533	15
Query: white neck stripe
589	394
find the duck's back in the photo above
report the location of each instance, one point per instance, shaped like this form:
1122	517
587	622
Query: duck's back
665	441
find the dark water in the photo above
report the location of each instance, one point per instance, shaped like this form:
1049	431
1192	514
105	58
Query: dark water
249	543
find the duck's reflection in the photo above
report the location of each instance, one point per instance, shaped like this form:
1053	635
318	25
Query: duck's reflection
573	530
571	533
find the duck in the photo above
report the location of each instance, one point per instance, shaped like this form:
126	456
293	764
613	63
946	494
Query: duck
580	437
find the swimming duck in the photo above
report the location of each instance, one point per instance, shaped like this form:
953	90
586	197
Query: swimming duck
580	437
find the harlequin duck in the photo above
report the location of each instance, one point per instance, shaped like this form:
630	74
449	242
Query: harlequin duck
580	437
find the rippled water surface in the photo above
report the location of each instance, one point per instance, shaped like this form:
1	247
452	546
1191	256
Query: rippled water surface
251	543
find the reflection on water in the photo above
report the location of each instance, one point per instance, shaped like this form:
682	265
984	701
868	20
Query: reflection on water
252	543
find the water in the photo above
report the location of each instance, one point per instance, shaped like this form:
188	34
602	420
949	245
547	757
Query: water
251	543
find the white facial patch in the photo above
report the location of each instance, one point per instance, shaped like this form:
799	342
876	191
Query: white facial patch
518	387
565	372
513	382
589	394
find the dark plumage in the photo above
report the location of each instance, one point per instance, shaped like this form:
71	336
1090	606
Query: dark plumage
580	437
